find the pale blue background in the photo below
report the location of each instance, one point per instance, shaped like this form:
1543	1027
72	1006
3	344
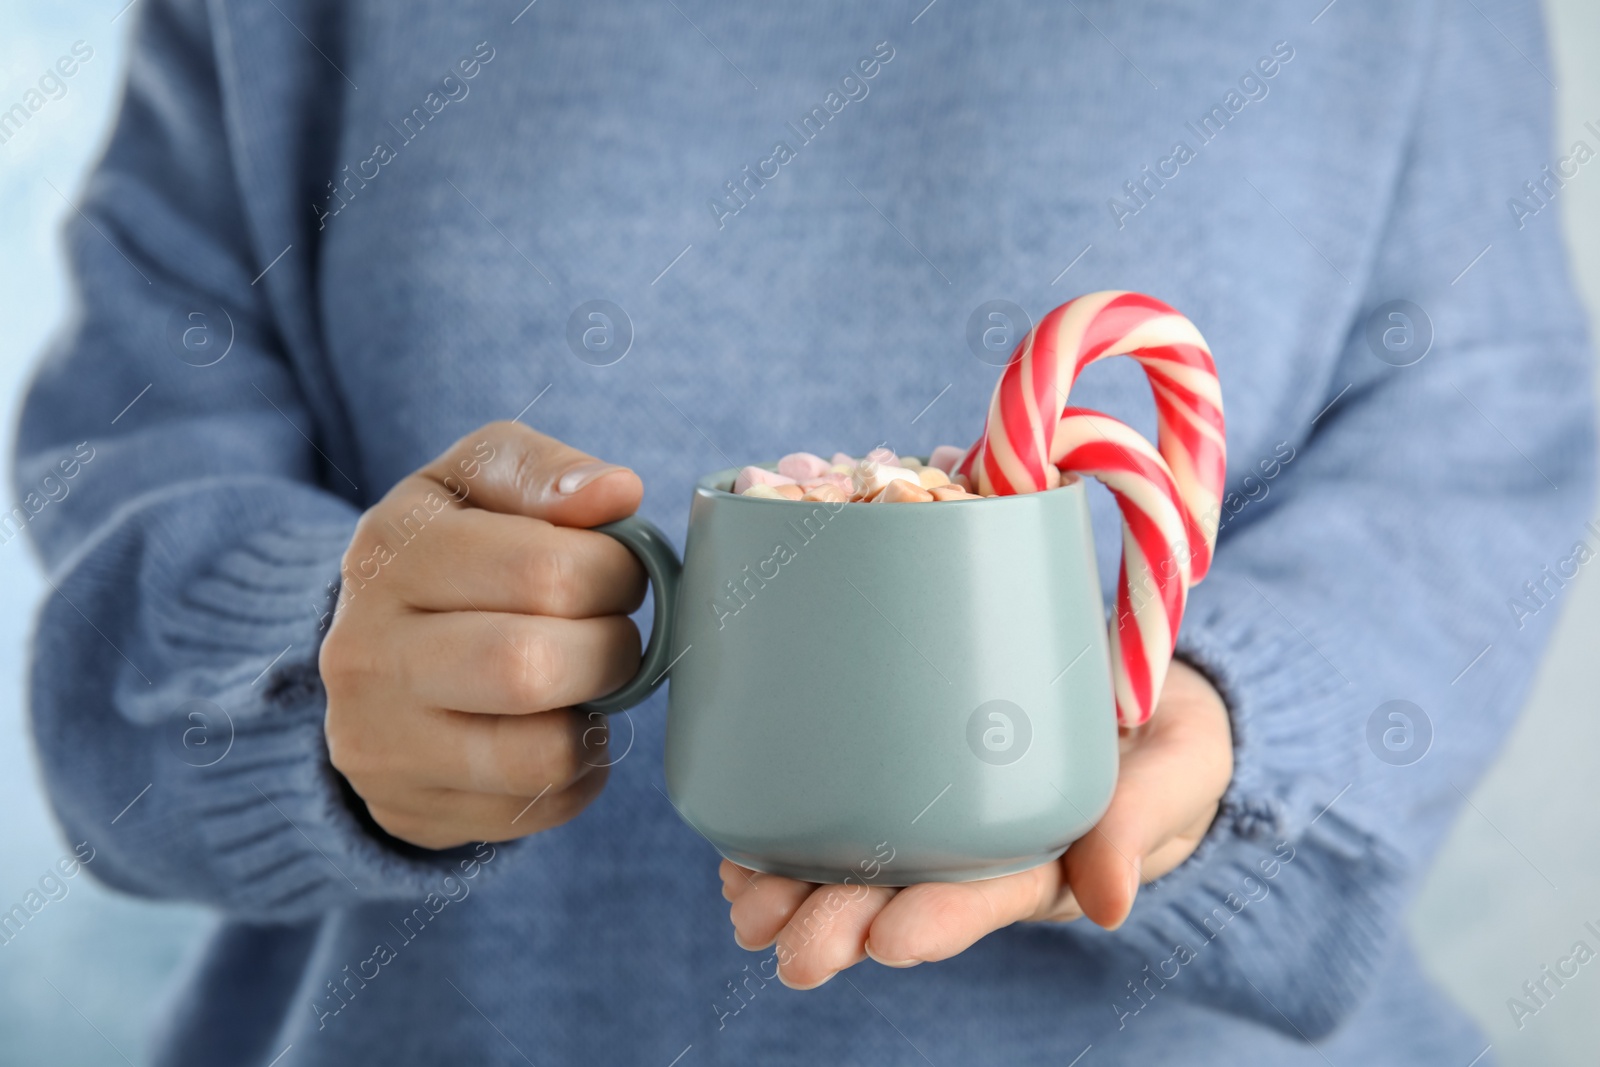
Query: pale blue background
1518	877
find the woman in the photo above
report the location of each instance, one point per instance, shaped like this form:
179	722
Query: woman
328	240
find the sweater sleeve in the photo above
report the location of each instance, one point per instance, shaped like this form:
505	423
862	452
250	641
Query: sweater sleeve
191	519
1387	562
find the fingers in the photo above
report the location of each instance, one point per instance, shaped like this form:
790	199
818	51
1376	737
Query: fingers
508	468
503	664
1173	774
520	756
828	932
511	755
1105	868
937	920
819	929
473	613
446	818
479	560
1174	771
762	904
735	879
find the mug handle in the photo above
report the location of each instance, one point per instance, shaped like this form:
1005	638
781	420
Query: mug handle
661	563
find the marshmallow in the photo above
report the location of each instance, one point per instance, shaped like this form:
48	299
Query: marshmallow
763	492
874	476
759	476
883	457
879	477
839	481
945	457
900	491
826	493
802	465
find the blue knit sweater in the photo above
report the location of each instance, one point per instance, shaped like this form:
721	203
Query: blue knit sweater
327	239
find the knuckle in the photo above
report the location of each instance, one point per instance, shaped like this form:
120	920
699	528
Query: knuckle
528	667
498	431
553	582
529	471
339	661
525	669
361	540
349	747
507	433
959	913
354	749
331	659
369	531
496	435
368	549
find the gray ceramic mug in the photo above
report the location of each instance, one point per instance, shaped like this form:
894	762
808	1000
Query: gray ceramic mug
884	694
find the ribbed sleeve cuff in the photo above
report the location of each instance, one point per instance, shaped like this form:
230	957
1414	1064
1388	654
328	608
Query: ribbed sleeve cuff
244	781
285	829
1283	693
1283	909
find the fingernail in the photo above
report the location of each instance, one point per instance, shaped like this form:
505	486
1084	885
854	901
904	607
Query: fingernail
802	988
581	475
1133	882
890	963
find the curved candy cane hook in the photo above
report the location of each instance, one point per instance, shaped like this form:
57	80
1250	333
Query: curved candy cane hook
1170	495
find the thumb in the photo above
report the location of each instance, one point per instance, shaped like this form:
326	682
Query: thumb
1174	771
508	468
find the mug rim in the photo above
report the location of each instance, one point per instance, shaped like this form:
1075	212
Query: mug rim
719	484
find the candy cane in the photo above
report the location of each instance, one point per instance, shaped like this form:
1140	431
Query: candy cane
1170	499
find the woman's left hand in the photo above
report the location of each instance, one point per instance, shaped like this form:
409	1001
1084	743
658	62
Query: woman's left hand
1174	770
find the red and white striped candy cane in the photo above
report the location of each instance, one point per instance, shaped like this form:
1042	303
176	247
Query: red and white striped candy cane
1170	498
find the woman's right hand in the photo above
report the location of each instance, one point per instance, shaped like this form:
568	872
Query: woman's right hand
475	610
